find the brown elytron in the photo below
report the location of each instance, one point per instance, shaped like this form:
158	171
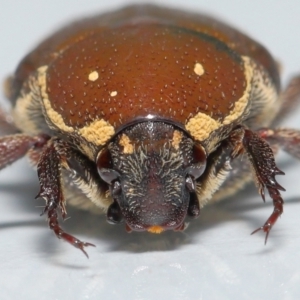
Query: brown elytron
143	113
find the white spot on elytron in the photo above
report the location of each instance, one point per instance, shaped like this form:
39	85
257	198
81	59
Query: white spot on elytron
150	117
93	76
198	69
114	93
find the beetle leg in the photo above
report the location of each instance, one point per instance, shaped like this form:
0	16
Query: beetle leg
14	147
48	170
82	172
49	173
284	138
290	98
263	163
6	123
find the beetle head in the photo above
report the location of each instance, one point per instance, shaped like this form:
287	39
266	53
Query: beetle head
151	169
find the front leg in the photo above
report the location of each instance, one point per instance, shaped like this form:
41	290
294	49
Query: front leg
284	138
290	99
7	126
264	167
49	172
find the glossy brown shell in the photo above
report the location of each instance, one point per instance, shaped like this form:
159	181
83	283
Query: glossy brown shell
141	61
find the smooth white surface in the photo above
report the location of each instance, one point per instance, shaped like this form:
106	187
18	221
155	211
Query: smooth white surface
215	258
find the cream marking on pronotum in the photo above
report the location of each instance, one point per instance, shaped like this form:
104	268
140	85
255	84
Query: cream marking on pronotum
113	93
198	69
240	105
55	118
202	125
93	76
98	132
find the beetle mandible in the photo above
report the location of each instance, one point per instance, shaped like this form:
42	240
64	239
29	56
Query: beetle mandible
144	113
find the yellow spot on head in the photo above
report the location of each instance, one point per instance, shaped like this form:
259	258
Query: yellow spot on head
177	137
126	143
113	93
93	76
155	229
198	69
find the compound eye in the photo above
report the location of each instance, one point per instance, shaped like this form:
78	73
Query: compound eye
198	165
104	166
108	175
195	170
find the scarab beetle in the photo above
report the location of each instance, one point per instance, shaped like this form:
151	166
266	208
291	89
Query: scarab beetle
145	114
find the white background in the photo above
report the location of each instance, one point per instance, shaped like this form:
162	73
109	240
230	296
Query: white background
215	258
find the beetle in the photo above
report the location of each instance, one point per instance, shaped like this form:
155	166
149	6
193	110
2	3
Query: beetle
145	113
